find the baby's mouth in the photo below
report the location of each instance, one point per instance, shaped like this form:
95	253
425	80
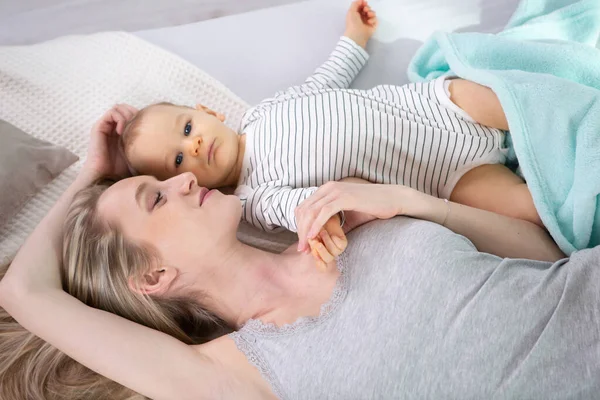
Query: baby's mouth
211	151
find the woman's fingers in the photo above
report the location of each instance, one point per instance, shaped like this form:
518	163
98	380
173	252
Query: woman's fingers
126	113
116	118
131	109
302	218
305	220
119	120
313	213
322	216
109	121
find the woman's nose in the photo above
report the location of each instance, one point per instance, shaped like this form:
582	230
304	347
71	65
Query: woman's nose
194	146
183	183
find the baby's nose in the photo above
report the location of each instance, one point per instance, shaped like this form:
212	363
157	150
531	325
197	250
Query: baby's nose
194	146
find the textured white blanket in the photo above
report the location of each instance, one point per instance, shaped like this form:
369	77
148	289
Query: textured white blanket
56	90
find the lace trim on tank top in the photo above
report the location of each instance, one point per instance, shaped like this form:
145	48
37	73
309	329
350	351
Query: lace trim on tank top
338	295
245	338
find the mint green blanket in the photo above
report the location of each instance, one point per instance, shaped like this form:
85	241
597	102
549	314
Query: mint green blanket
545	69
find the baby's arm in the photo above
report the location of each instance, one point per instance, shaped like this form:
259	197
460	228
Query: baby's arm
271	207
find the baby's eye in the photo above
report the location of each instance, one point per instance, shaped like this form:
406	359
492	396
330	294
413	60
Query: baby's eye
187	129
178	160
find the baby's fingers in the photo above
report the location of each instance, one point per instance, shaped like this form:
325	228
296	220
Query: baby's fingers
325	255
315	253
332	245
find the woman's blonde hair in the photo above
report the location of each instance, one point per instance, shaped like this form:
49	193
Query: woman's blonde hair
98	262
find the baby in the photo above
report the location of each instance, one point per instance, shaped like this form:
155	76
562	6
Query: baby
321	131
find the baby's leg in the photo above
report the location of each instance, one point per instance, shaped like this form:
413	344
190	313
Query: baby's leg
480	102
495	188
490	187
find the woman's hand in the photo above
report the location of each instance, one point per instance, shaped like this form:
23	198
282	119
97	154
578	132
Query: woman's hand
104	157
378	201
361	23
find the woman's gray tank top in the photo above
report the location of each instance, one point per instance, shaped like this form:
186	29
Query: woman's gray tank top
418	313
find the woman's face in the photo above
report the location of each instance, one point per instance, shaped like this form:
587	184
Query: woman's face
192	228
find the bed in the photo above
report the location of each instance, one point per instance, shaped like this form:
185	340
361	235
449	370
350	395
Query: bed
257	53
31	21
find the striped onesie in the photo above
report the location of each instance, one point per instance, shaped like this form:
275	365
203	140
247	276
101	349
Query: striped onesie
321	131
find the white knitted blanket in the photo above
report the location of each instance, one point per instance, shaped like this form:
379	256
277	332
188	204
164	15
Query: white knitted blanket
57	90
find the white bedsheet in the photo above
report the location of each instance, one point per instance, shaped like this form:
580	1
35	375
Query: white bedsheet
258	53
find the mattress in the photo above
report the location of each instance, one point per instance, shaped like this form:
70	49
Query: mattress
254	55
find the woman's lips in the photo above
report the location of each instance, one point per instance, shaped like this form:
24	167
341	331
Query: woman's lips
204	193
202	196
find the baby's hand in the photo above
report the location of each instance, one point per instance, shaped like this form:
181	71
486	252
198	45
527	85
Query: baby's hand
361	22
330	243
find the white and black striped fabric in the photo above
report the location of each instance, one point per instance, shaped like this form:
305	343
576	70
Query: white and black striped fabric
321	131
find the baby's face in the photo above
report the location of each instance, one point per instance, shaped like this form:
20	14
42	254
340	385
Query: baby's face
175	139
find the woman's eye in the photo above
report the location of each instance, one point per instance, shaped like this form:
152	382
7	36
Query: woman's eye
157	199
187	129
178	160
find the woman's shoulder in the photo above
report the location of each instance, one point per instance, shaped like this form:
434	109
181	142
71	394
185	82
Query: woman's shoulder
241	379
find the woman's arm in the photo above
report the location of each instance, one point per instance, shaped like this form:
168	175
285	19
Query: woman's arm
489	232
43	245
142	359
147	361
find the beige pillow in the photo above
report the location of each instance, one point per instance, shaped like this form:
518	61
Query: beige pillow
26	165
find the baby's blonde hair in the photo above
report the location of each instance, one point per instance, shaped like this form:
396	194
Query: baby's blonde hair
133	127
98	262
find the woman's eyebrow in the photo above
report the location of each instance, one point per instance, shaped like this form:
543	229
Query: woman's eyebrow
138	193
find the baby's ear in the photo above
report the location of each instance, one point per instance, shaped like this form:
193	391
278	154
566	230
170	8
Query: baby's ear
207	110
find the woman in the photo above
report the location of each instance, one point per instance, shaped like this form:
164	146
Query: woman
411	311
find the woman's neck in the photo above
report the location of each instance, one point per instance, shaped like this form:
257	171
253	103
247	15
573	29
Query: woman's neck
274	288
